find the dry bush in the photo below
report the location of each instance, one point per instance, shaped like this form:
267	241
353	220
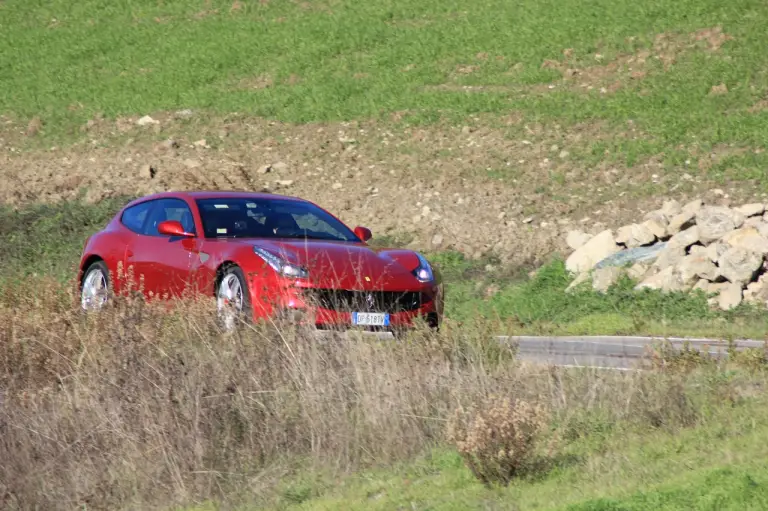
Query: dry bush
498	439
144	405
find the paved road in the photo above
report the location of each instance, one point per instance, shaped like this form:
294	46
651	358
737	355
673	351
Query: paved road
605	352
609	352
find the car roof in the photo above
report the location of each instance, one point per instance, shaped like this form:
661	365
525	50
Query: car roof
215	194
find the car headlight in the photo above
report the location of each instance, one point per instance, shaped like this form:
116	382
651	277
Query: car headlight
423	272
280	265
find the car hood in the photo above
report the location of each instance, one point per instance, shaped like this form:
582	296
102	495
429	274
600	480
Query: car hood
347	265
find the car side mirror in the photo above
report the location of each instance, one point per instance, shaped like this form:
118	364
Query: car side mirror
363	233
173	228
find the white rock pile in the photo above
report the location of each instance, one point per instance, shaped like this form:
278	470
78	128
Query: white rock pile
717	249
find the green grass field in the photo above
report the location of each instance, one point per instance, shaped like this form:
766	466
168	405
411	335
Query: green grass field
337	60
622	85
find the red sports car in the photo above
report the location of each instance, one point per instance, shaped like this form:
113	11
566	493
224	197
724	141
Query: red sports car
260	255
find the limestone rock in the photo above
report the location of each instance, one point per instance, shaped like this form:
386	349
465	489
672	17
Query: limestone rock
695	267
657	216
656	227
714	222
748	238
634	235
681	221
604	278
730	296
671	208
666	280
715	250
739	265
577	239
592	252
757	292
668	257
693	206
686	238
638	271
749	210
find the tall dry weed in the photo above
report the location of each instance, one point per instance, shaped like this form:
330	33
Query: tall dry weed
146	405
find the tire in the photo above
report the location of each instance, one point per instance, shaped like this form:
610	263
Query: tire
95	287
232	290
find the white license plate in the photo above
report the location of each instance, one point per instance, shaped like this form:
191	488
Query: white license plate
370	318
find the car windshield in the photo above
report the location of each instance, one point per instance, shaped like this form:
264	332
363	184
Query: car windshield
269	218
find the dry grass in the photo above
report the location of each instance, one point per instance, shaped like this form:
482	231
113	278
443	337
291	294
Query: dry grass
144	406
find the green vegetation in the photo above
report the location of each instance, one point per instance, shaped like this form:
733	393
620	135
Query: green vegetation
333	60
47	239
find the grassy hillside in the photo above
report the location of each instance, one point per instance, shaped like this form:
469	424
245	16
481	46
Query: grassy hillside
335	60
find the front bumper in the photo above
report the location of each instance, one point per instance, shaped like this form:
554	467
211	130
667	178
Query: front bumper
332	309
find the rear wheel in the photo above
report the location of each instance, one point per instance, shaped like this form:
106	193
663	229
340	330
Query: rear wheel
233	303
94	288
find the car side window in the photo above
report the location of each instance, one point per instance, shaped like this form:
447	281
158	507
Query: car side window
170	209
135	216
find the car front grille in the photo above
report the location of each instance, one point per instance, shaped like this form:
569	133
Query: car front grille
364	301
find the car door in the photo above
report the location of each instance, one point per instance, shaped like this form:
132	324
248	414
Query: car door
134	218
164	261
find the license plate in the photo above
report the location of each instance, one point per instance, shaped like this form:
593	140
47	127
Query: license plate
370	318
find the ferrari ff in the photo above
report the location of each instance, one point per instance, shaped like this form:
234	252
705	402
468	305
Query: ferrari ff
261	256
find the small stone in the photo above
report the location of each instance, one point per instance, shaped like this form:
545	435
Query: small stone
686	238
719	89
528	220
715	250
576	239
657	216
634	235
192	164
714	222
279	166
264	169
437	240
637	271
694	267
592	252
739	266
284	182
670	256
34	126
202	143
564	154
757	292
604	278
681	221
147	120
666	280
147	172
749	210
730	297
337	186
748	238
671	208
693	206
169	144
655	227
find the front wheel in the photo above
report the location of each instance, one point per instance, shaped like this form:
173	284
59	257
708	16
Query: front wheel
233	302
94	290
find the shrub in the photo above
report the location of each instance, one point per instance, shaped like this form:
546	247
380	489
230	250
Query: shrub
498	440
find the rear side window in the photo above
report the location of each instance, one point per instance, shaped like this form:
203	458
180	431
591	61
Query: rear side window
135	216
